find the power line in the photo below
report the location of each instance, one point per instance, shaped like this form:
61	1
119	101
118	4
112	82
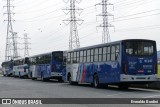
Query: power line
137	13
39	9
137	17
31	7
40	15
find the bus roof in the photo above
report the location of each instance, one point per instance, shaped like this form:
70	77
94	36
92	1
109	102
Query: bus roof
110	43
48	53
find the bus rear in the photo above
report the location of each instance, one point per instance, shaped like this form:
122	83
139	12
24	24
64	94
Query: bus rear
57	65
139	61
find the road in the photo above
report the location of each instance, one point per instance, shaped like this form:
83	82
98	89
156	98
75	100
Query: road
26	88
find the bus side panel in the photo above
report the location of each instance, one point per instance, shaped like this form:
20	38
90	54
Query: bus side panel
108	72
84	73
32	69
15	70
47	71
38	71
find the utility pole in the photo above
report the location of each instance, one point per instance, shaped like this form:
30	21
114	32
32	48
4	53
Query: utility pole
73	21
26	43
10	35
105	25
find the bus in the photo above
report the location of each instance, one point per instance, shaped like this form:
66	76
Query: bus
47	66
7	68
21	67
121	63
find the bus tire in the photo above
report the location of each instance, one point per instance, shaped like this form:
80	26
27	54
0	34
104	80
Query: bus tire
96	81
70	80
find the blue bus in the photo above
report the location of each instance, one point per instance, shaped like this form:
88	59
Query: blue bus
47	66
21	67
125	62
7	68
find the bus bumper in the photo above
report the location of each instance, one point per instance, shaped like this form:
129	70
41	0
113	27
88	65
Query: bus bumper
56	74
138	78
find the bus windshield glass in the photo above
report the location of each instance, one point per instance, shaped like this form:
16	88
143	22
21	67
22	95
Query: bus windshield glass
139	48
58	56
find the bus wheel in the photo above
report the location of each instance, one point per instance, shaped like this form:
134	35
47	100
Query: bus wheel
70	79
96	81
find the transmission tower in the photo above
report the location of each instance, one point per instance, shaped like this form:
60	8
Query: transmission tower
26	43
73	21
105	25
15	45
10	35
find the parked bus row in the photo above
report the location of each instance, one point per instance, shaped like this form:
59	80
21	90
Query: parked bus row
119	63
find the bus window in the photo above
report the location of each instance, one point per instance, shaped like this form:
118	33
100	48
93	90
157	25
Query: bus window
108	53
88	55
75	57
148	48
117	51
47	59
58	56
96	55
100	54
113	57
78	57
92	55
139	48
104	54
129	48
81	56
72	57
84	56
69	58
26	61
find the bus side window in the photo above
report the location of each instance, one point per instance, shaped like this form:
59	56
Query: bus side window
69	58
81	56
113	51
96	55
104	54
78	57
88	55
72	57
75	57
117	51
84	56
100	54
92	55
108	53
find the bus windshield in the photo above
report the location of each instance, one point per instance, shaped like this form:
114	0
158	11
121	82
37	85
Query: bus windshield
139	48
58	56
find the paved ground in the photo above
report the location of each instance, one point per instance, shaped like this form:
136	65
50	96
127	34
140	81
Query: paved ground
25	88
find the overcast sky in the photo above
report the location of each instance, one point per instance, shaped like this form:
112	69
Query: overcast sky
42	20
